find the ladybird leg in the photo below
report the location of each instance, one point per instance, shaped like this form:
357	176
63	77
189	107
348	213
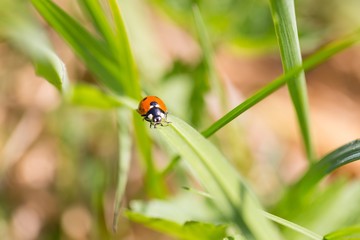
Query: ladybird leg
166	121
166	118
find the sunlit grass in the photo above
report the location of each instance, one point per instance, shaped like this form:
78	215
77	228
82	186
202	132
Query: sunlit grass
222	203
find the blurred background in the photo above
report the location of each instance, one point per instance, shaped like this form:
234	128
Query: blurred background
58	161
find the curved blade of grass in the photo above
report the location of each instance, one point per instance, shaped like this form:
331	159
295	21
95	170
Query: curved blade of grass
228	190
95	13
112	30
121	46
123	163
312	61
283	13
352	232
51	68
153	180
341	156
293	226
23	32
207	51
124	55
92	51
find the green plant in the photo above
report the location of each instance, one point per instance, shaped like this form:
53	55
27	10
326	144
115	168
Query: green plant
225	207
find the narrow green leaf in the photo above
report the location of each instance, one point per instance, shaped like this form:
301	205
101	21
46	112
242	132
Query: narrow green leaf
125	144
293	226
121	46
92	51
50	67
154	184
190	230
343	155
205	44
312	61
210	78
172	164
283	12
228	190
349	233
13	27
95	12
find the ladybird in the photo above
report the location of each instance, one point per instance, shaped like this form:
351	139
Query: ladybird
153	110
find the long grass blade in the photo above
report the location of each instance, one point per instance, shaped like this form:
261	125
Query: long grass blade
98	58
293	226
339	157
123	163
13	28
312	61
283	12
228	190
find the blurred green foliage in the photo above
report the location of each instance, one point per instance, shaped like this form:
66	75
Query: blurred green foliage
93	161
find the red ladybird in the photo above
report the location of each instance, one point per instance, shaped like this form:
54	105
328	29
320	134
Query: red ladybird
153	110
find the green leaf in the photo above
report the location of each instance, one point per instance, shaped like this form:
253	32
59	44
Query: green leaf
98	58
121	47
283	12
113	32
228	191
190	230
13	27
341	156
312	61
348	233
125	144
205	78
293	226
50	67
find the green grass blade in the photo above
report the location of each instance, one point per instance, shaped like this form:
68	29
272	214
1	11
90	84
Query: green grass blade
341	156
206	47
352	232
13	28
120	44
154	182
283	12
312	61
125	143
125	57
95	13
210	80
50	67
112	30
92	51
293	226
228	190
299	194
